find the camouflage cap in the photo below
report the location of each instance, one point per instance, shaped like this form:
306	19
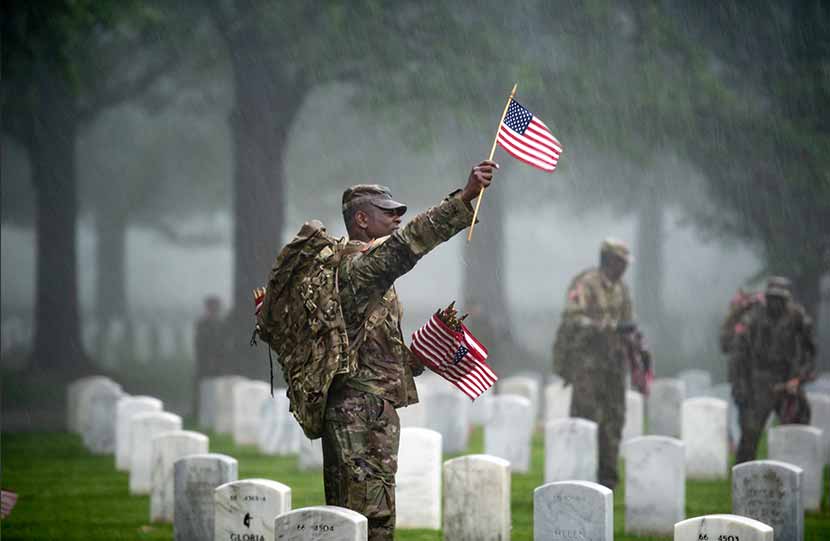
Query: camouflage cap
377	195
779	286
618	248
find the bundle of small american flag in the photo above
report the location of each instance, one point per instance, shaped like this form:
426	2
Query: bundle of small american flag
7	501
448	348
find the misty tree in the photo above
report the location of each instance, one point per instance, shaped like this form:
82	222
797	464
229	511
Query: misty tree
63	63
767	168
143	184
278	55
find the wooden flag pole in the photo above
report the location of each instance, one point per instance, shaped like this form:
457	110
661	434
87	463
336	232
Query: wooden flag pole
492	153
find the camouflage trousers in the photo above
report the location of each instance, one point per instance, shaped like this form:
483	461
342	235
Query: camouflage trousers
753	414
360	457
600	397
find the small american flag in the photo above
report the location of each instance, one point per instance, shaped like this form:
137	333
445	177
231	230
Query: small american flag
454	355
7	501
259	298
526	138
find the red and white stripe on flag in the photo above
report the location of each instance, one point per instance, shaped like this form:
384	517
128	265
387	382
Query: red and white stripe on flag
527	138
7	501
456	356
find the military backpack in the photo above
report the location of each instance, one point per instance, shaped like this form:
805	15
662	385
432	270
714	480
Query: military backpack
302	321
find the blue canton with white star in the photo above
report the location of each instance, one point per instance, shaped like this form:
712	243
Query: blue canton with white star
459	354
517	118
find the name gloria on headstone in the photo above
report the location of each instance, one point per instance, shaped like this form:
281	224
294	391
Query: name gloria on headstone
246	509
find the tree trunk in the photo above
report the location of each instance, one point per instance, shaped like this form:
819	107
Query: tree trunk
57	344
110	284
485	295
648	270
265	108
807	291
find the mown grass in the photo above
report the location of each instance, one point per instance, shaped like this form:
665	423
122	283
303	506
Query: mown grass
66	493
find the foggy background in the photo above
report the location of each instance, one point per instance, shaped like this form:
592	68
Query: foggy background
244	127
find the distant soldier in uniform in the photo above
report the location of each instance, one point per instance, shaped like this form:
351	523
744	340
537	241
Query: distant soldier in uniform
208	345
362	429
589	350
772	356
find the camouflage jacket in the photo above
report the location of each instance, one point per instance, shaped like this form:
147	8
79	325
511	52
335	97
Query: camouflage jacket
587	337
385	365
773	349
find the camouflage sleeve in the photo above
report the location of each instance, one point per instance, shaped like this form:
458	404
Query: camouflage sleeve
373	272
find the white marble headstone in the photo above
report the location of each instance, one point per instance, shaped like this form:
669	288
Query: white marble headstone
208	399
733	427
697	382
248	398
418	481
196	479
573	510
482	408
224	403
413	415
820	418
448	413
73	399
704	433
509	431
248	508
124	411
321	523
525	386
557	401
571	452
166	449
279	432
655	484
770	492
311	454
664	407
476	498
722	528
143	427
634	415
96	407
800	445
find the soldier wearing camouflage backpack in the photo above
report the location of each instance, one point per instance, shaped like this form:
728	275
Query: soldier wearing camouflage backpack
343	355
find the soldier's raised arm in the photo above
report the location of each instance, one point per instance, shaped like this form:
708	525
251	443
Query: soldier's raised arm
373	271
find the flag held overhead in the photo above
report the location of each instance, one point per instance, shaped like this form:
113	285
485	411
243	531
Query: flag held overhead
526	138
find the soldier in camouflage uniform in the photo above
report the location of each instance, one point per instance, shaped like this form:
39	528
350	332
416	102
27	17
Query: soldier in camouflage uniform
772	355
362	429
588	351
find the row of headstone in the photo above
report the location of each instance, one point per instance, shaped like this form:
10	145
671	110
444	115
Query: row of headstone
90	407
476	503
211	503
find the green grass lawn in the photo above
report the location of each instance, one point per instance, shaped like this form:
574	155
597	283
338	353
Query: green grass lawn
66	493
